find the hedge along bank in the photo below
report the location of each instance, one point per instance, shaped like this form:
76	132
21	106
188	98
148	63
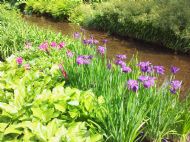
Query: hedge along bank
150	21
119	88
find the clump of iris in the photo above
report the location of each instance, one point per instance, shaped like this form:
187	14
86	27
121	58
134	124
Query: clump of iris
84	59
147	81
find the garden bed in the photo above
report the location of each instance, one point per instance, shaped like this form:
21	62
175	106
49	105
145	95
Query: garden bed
39	100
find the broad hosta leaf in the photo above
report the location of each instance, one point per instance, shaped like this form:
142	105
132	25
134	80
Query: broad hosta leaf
60	134
44	115
12	129
61	106
3	126
19	95
8	108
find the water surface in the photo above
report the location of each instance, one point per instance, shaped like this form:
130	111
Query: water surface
146	52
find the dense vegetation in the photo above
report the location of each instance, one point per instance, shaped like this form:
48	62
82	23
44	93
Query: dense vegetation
163	22
39	102
157	21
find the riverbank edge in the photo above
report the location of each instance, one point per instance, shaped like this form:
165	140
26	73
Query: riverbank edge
158	36
139	40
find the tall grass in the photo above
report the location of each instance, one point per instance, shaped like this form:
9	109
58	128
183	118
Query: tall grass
14	32
124	115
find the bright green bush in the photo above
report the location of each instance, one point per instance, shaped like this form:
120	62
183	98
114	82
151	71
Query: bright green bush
82	14
59	9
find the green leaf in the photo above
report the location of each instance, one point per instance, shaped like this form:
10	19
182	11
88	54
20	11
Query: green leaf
12	129
42	114
3	126
61	133
74	103
61	106
8	108
96	138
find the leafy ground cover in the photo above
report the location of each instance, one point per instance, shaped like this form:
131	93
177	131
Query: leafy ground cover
39	100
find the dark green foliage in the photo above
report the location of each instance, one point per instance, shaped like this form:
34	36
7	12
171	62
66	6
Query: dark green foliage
158	21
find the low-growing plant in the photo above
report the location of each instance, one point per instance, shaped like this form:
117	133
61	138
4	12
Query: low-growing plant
36	107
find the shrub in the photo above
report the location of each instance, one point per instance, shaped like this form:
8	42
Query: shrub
152	21
59	9
81	14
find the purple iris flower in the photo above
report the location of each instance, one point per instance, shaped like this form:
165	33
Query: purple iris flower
145	66
90	41
147	81
120	63
121	57
19	60
175	85
61	45
174	70
101	50
133	85
84	59
44	46
150	82
53	44
76	35
159	69
85	41
143	78
126	69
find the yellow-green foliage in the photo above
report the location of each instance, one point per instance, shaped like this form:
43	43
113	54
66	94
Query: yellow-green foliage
81	14
55	8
